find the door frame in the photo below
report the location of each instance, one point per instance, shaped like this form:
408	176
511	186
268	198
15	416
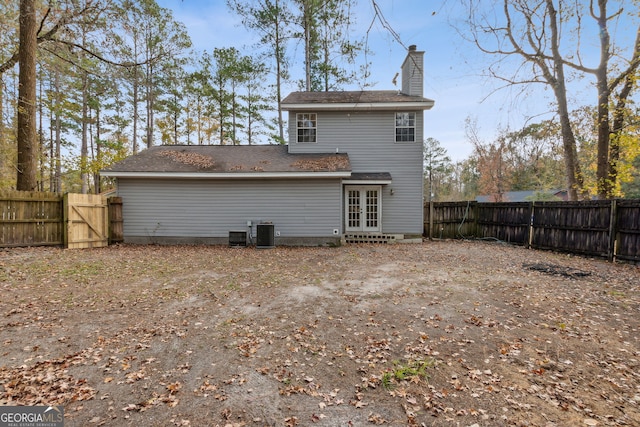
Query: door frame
362	214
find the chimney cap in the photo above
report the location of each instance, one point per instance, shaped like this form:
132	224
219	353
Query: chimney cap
412	47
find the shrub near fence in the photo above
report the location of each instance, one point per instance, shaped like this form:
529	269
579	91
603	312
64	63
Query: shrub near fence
604	228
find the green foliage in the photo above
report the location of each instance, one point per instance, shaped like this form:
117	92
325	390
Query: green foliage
8	156
228	71
255	101
324	28
271	20
542	196
527	159
631	188
119	74
403	371
627	180
437	169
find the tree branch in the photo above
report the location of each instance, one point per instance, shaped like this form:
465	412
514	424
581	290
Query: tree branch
47	36
100	57
634	64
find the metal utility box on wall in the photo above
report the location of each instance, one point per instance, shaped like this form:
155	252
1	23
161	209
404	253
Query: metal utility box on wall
237	238
265	236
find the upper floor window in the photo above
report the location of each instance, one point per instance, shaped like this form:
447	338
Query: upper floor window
306	127
405	127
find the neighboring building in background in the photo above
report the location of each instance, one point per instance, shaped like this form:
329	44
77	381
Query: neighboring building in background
526	196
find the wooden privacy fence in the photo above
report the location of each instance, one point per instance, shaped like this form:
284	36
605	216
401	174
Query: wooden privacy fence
603	228
72	220
30	219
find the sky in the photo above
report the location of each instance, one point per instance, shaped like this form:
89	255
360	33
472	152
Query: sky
453	68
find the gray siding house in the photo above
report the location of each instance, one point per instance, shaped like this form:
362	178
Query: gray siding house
351	171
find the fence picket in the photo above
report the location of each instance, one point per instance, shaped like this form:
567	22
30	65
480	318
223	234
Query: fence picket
36	219
603	228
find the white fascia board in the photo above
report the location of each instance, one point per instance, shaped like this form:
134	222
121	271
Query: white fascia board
367	181
230	175
359	106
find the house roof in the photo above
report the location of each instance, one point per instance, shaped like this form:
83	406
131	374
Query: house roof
520	196
229	161
354	100
368	178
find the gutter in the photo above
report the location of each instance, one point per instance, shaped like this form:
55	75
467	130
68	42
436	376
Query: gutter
360	106
226	175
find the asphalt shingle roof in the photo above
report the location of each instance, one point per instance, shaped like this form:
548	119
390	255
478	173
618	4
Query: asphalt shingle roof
351	97
229	159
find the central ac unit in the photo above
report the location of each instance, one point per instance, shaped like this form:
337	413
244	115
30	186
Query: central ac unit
265	236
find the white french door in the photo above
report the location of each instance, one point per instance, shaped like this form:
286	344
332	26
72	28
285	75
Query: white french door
362	208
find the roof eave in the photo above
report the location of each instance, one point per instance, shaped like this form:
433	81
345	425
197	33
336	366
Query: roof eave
367	181
360	106
228	175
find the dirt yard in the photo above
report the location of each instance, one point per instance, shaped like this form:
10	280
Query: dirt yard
433	334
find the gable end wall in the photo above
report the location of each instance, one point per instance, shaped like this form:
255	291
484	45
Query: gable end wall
368	137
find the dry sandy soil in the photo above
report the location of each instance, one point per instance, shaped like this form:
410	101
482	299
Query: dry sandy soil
437	334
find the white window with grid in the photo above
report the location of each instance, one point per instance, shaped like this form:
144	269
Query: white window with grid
405	127
306	127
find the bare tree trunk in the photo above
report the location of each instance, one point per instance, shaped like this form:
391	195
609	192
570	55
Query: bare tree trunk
618	125
575	180
573	173
135	115
41	152
57	177
27	143
51	144
234	124
58	155
307	43
603	183
2	139
279	79
614	134
176	117
149	92
135	95
199	122
98	154
84	149
249	115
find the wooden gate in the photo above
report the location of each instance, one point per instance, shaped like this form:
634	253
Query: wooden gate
86	219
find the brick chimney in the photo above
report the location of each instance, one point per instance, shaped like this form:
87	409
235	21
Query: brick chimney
413	72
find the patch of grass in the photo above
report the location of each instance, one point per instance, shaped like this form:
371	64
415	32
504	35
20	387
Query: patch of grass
617	294
83	272
402	371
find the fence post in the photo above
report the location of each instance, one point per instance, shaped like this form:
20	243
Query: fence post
65	220
530	225
613	231
115	220
430	218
